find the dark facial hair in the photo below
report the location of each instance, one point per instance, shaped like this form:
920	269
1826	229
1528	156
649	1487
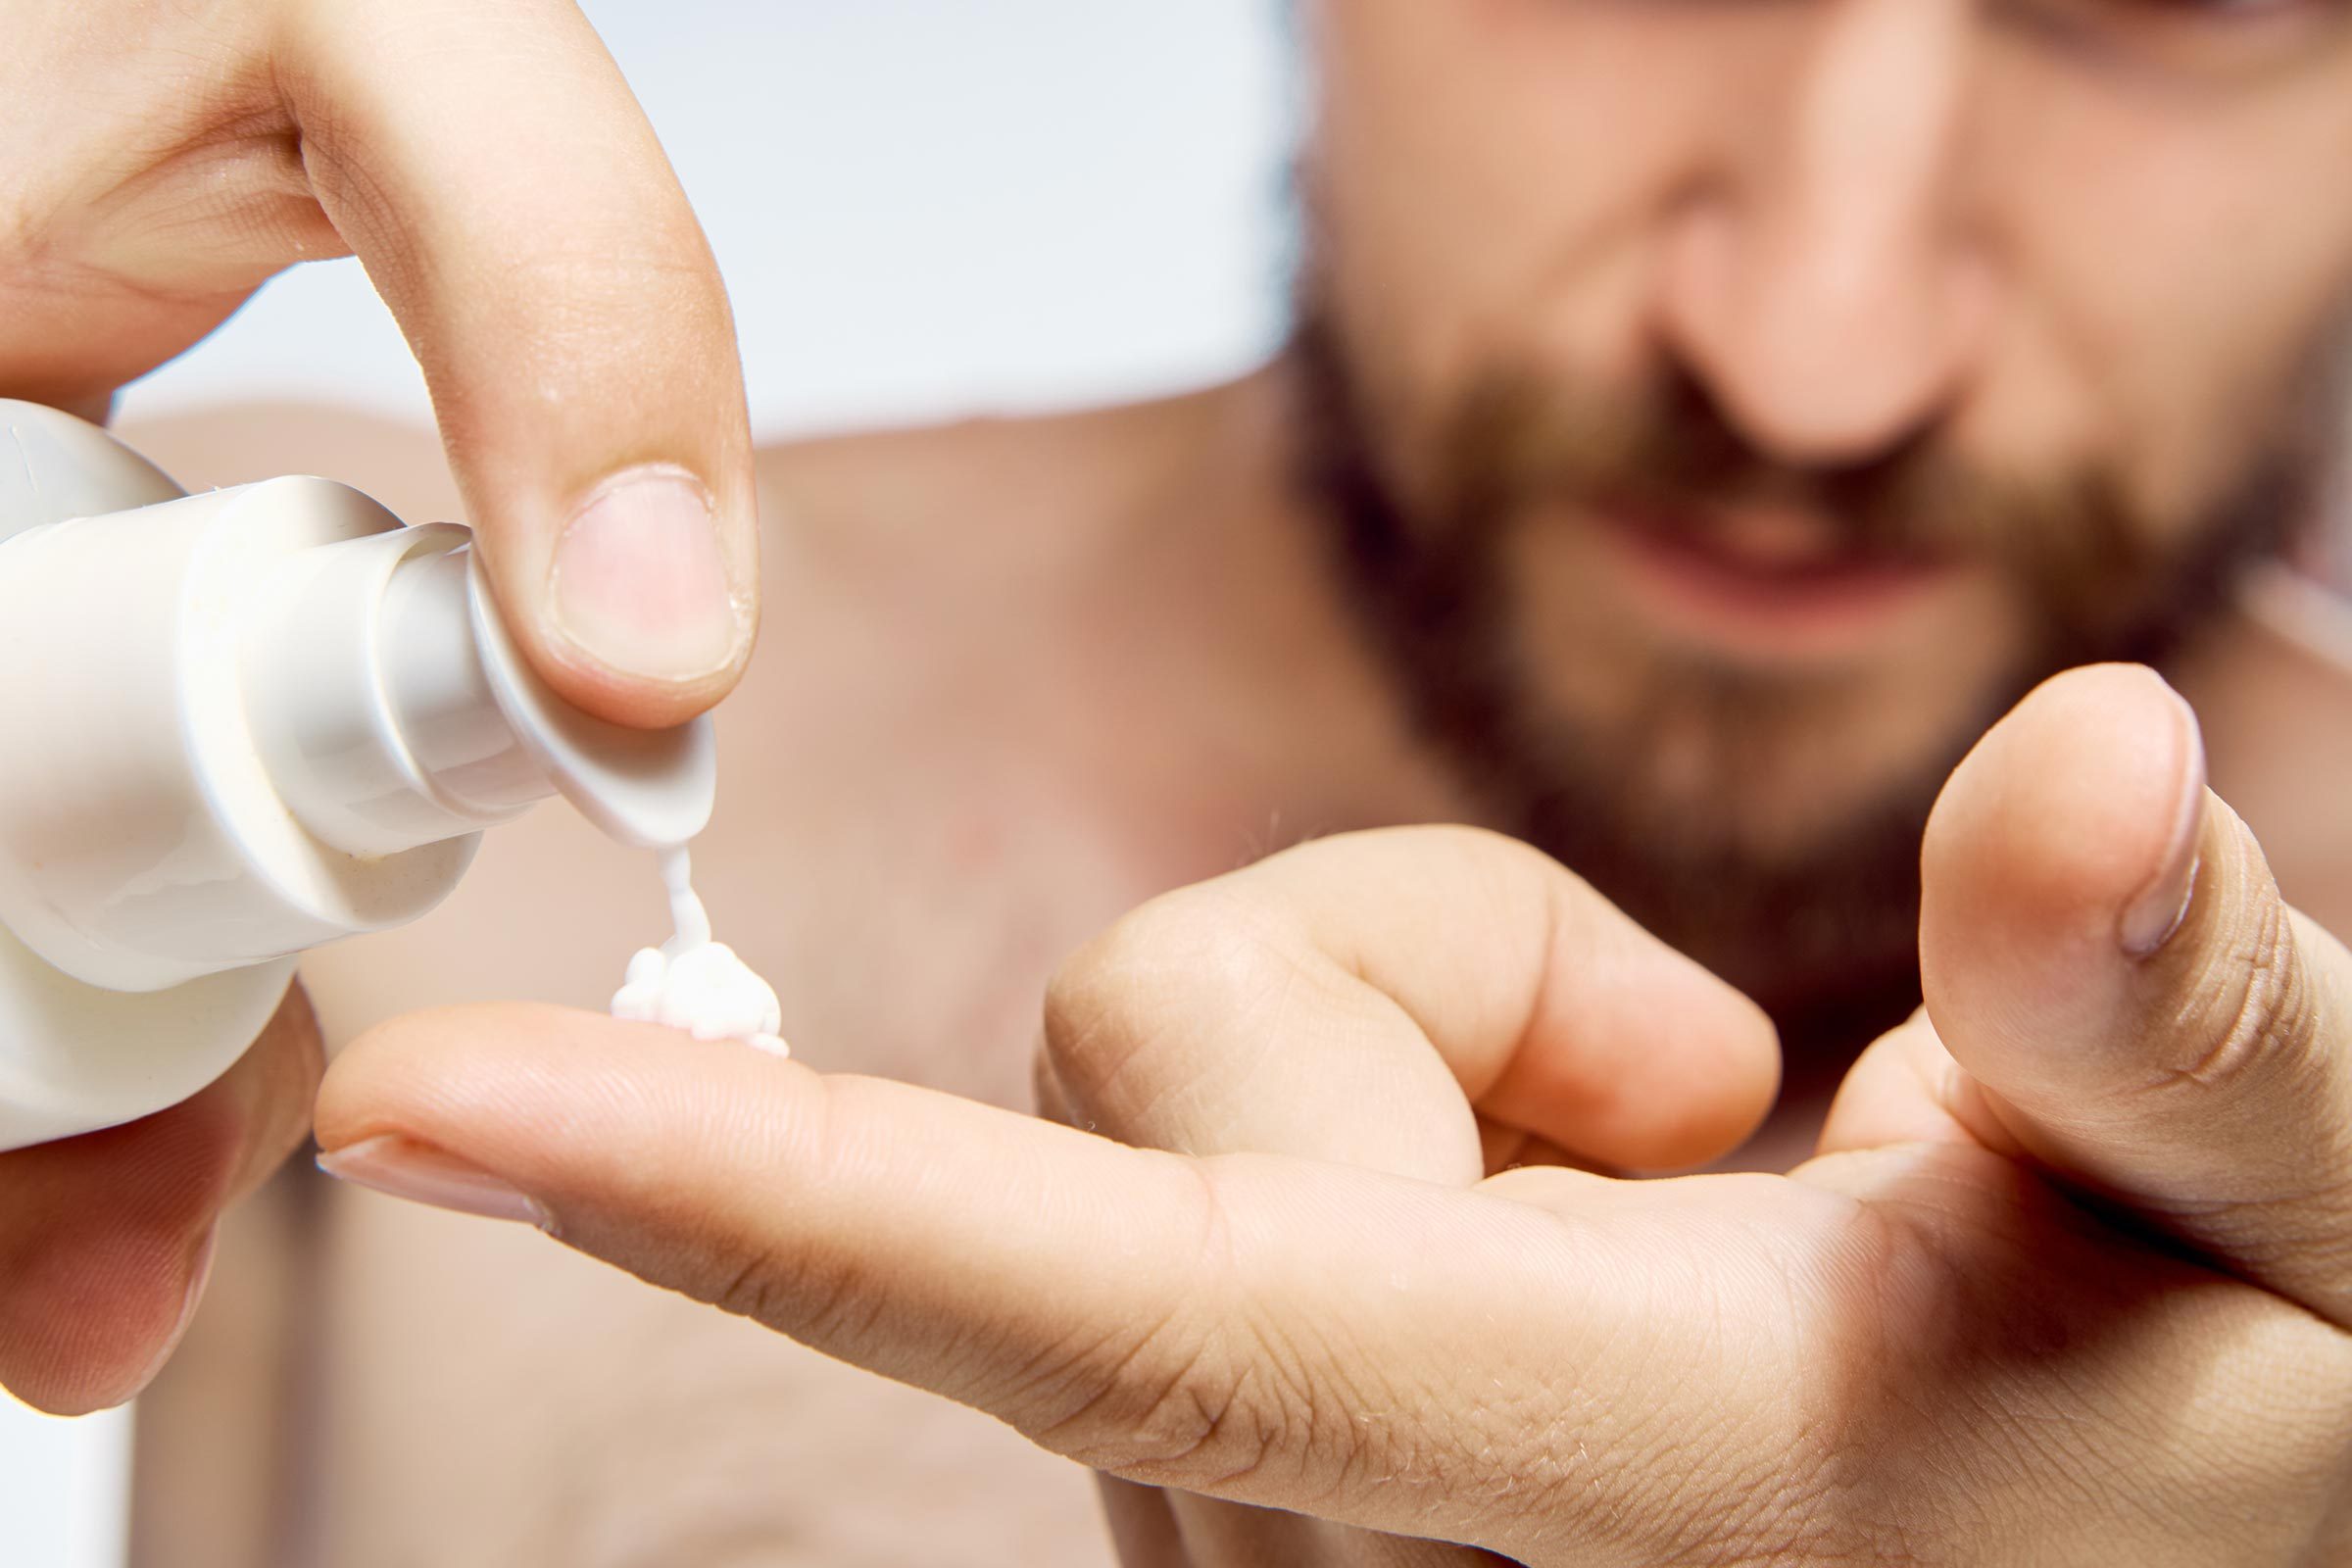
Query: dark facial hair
1826	940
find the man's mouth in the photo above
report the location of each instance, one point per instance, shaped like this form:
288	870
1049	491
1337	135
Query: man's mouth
1768	585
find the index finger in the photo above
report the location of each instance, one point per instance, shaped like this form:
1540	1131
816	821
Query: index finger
1274	1331
493	172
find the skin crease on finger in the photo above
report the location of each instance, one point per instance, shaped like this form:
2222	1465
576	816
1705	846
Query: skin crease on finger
2065	261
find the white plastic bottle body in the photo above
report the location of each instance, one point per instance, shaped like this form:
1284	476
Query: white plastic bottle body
143	841
235	727
152	886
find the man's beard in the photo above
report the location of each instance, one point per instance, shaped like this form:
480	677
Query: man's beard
1824	933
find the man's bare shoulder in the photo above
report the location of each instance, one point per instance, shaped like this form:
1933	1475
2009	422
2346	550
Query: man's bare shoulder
1021	495
835	496
2272	689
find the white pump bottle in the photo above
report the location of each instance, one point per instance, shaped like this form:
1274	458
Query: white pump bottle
234	726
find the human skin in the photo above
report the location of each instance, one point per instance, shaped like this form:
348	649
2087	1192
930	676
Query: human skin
452	1419
2214	395
1857	223
160	162
2059	329
438	1380
2064	1283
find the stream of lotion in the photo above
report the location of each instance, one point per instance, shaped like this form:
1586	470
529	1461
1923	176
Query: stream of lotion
696	984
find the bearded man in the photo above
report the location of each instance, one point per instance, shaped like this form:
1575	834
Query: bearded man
1703	423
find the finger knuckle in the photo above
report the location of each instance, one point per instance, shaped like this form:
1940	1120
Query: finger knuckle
826	1300
747	1284
1171	969
1086	1003
832	1297
1180	1409
1200	1399
2251	1010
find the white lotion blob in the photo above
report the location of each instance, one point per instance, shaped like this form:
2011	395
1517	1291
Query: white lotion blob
692	983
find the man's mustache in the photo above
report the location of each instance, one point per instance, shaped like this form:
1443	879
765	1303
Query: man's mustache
1661	449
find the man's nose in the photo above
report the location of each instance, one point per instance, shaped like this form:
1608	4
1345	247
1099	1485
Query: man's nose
1823	279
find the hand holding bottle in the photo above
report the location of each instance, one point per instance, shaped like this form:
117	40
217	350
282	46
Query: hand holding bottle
490	168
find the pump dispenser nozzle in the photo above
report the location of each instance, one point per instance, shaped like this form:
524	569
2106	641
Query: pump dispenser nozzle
234	726
394	710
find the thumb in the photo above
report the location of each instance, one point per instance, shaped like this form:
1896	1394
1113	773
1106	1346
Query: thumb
490	168
2106	954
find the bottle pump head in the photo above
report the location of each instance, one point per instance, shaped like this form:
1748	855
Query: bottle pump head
393	710
235	725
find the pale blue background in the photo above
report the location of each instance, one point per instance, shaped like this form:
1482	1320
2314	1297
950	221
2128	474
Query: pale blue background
923	208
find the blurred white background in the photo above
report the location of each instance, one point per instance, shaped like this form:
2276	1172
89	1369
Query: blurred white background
922	208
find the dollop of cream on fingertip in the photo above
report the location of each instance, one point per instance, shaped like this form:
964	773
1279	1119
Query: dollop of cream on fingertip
695	983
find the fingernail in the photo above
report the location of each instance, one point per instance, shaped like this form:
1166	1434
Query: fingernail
2156	916
640	583
423	1174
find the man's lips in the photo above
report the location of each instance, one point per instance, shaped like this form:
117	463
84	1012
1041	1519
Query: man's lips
1769	587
